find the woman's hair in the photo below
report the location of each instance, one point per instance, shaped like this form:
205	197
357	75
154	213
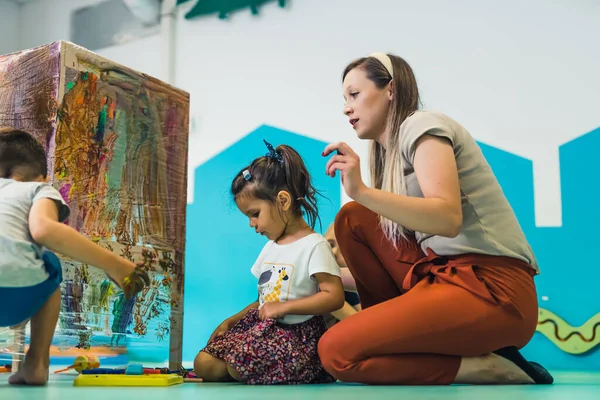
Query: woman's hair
281	169
22	154
387	166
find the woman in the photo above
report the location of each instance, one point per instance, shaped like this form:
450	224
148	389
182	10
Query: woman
443	269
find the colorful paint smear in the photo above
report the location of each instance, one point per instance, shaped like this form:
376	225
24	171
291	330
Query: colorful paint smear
117	147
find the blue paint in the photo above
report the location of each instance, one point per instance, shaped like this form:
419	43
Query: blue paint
100	129
221	247
104	371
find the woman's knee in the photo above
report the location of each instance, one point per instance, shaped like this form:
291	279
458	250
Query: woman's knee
350	212
330	350
351	216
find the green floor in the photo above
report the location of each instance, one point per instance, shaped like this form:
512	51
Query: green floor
578	385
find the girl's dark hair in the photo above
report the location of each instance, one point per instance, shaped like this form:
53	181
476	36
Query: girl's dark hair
20	152
281	169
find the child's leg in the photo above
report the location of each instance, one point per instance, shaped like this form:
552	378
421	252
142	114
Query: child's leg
37	360
234	374
212	369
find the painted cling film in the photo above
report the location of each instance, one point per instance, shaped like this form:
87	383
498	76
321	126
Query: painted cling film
96	319
117	145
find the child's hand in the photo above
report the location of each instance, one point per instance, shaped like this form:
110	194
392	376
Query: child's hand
221	330
272	310
135	282
129	277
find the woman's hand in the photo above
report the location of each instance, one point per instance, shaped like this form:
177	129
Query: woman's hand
348	163
272	310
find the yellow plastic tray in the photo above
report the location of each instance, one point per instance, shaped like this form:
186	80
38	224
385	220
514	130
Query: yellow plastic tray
128	380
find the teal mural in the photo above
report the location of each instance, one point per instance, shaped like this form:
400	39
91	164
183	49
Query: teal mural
568	332
224	7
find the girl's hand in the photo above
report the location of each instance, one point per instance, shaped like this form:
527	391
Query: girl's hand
221	330
272	310
348	163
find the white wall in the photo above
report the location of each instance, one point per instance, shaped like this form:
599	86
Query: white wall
9	27
521	76
46	21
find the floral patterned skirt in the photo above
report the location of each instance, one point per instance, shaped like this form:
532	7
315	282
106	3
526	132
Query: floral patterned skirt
268	352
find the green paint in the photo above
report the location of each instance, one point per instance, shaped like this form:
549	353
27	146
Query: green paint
70	86
101	123
115	167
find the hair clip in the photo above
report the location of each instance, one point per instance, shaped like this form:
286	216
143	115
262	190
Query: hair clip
247	175
274	154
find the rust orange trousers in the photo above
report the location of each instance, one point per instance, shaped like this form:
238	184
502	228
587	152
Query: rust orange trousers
422	312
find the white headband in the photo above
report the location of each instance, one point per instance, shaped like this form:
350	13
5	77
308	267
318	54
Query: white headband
386	61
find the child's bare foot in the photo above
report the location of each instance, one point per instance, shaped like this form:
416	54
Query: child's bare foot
35	374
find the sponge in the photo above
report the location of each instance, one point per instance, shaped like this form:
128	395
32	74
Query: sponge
134	369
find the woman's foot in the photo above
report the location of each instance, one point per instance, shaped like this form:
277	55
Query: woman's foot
31	373
535	371
491	369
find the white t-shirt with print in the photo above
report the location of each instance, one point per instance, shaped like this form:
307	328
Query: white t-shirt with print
286	271
21	262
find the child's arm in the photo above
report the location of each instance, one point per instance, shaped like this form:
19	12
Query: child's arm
238	317
329	298
231	321
348	280
344	312
48	232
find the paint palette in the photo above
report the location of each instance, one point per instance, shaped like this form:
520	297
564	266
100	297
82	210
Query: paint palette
128	380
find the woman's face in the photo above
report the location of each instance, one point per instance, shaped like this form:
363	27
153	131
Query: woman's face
366	106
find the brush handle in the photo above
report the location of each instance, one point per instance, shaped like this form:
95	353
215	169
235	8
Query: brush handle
64	370
103	371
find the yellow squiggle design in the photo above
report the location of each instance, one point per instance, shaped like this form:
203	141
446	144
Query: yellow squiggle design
573	340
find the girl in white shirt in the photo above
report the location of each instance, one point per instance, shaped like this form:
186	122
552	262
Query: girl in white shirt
274	340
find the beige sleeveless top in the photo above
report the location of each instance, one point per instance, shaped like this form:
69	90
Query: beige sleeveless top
489	223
